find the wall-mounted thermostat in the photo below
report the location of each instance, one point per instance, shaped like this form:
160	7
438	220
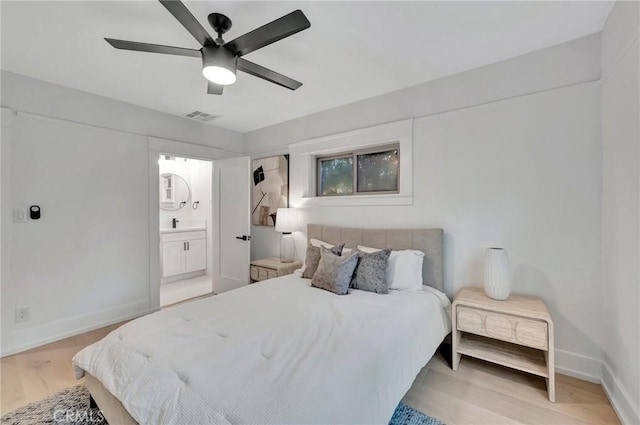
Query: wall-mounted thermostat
34	212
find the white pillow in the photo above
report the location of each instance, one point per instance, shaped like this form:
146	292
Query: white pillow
404	271
318	243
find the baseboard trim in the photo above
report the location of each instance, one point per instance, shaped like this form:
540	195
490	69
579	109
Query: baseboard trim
578	366
28	338
619	397
165	280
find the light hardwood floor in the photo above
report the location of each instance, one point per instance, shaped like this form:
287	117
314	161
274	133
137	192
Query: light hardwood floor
477	393
32	375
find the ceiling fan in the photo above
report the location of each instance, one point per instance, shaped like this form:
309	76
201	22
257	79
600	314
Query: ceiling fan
222	59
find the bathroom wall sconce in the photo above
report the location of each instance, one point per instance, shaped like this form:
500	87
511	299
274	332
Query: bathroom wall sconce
195	205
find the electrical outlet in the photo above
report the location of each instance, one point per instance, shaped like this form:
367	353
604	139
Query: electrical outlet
22	314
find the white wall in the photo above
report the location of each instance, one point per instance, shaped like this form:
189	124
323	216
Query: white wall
621	210
494	165
21	93
569	63
86	262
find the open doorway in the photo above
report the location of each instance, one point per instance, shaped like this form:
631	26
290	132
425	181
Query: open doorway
186	227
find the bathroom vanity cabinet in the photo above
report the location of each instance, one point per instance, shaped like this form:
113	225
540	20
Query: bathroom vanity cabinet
182	251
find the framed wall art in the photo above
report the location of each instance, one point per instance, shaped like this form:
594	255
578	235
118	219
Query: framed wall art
270	177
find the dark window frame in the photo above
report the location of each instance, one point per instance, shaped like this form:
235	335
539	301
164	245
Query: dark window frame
354	155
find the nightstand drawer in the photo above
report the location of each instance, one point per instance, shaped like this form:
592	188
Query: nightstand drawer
254	272
270	268
262	274
518	330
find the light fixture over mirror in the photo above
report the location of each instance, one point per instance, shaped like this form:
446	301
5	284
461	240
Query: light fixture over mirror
219	65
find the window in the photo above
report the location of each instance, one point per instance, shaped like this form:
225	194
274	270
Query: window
365	171
359	152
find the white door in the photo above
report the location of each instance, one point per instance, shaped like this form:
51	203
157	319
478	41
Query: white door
173	258
231	246
196	255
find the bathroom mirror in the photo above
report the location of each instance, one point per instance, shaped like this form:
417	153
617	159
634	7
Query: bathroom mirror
174	192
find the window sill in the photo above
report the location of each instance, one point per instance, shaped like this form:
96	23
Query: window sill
356	200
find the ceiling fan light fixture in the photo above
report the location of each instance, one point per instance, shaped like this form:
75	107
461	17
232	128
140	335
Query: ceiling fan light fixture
219	65
221	60
219	75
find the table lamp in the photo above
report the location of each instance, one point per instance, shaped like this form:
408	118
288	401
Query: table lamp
287	222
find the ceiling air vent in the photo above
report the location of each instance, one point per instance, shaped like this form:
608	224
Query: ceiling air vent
201	116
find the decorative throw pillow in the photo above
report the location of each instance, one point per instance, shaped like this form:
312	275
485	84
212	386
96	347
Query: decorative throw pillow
404	272
334	271
371	272
313	259
318	243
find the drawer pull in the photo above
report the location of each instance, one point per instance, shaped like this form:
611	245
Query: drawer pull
469	320
533	334
498	327
528	332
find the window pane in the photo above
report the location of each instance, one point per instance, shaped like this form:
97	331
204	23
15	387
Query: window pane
336	176
378	172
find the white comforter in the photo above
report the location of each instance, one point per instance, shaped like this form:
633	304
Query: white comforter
277	351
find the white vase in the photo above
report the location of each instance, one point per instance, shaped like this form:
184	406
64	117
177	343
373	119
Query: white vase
497	274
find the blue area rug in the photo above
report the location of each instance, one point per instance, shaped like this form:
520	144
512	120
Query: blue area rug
405	415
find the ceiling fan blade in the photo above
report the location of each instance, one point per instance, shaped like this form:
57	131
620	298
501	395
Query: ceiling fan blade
214	88
267	74
182	14
153	48
270	33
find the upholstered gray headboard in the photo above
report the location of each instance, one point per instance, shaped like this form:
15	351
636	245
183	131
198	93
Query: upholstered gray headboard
428	241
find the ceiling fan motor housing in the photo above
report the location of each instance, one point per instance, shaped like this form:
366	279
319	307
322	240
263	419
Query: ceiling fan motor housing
219	57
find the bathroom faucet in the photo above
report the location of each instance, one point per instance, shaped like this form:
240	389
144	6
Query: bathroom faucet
174	223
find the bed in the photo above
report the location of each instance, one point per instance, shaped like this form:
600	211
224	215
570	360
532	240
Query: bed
277	351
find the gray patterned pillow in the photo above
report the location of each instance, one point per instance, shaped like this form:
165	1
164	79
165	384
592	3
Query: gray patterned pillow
334	272
371	272
313	259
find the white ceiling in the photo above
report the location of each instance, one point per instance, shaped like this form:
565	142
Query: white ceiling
353	50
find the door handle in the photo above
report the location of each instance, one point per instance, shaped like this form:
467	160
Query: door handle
188	246
244	237
184	246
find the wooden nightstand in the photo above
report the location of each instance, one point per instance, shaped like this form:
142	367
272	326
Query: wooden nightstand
269	268
516	332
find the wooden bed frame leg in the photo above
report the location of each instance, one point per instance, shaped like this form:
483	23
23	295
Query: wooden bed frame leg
92	402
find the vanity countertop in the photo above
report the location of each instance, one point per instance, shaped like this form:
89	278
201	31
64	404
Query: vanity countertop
182	229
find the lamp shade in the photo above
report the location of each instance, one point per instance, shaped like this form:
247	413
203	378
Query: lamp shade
287	220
